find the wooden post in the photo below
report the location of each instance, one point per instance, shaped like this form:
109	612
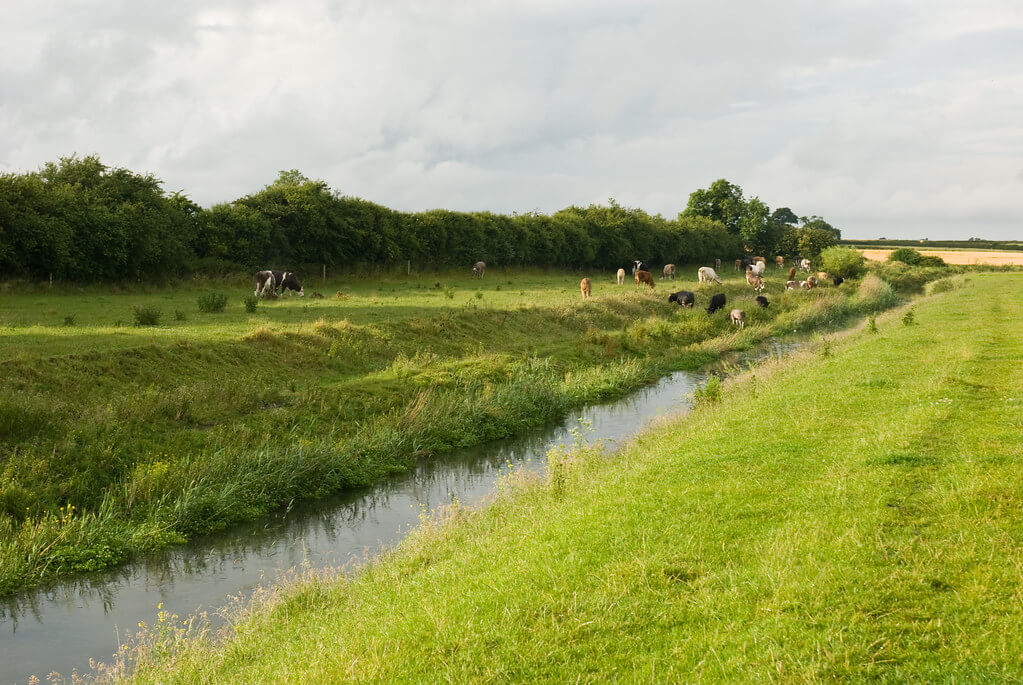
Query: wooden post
408	268
51	280
324	273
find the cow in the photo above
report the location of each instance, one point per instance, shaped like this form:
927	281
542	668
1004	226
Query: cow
762	301
479	269
669	271
716	303
838	280
738	318
792	285
755	280
822	276
780	261
758	268
805	265
683	298
645	277
621	276
738	265
639	266
809	284
286	280
792	273
706	274
584	287
761	260
717	264
265	284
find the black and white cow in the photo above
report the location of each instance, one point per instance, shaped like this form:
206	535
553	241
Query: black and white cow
683	298
265	284
639	266
286	280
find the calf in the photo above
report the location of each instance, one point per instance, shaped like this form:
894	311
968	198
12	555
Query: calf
762	301
645	277
838	280
716	303
621	276
683	298
479	269
755	280
805	265
706	274
738	318
639	266
584	287
822	276
669	271
780	261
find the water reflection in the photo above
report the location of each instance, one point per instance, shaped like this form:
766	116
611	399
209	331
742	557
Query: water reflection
63	626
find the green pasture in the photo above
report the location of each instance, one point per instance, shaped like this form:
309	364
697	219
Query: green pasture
853	512
120	439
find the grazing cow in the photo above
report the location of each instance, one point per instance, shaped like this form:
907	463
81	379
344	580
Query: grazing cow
762	301
737	317
809	284
838	280
639	266
738	265
717	264
645	277
761	260
669	271
264	284
822	276
584	287
683	298
755	280
716	303
707	274
758	268
780	261
621	276
479	269
792	273
805	265
792	285
286	280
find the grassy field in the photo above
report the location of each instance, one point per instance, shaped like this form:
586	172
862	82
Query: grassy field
119	439
957	256
853	512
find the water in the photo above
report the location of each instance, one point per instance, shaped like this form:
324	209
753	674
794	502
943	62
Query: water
62	627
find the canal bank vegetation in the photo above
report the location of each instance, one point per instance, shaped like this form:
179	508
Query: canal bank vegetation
119	441
851	512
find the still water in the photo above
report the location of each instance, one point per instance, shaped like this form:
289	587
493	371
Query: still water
60	628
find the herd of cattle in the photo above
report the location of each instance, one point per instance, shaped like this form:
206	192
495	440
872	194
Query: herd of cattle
275	283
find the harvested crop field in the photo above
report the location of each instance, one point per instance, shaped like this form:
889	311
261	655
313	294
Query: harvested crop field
991	257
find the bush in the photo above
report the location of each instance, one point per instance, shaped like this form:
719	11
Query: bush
251	301
906	255
843	261
931	260
69	320
212	303
179	315
147	316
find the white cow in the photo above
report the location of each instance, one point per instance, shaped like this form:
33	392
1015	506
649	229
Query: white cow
621	276
707	274
805	265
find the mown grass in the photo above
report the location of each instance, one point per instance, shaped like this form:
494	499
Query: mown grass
854	515
112	452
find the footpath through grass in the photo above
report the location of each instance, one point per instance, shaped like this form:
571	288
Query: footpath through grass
856	512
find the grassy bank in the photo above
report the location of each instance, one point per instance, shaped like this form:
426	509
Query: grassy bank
119	440
850	513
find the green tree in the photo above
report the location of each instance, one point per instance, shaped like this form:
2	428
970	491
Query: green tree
722	201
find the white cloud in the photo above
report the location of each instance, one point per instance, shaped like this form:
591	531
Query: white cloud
882	117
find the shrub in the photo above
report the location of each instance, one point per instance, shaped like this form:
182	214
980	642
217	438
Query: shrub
931	260
69	320
179	315
941	286
909	318
906	255
842	261
212	303
147	316
708	392
251	301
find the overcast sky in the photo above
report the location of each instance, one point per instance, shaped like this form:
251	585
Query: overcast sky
897	119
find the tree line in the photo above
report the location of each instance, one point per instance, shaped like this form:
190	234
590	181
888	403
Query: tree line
79	220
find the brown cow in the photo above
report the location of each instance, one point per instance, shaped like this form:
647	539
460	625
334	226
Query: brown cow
669	271
584	287
780	261
755	280
738	265
792	273
645	277
792	285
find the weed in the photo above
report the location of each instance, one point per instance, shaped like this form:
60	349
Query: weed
251	303
872	324
147	316
212	303
908	319
708	392
449	293
179	315
69	320
479	295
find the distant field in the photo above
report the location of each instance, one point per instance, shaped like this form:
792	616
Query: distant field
958	256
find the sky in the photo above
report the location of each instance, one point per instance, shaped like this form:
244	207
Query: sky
888	118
